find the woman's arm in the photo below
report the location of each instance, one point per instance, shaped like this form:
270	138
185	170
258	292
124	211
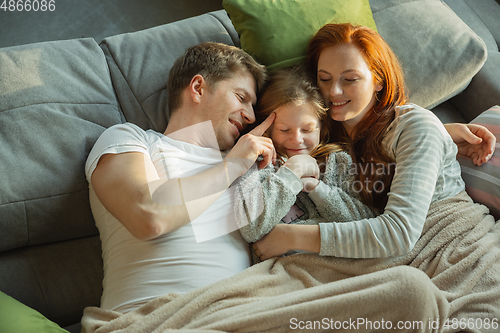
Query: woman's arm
286	237
420	147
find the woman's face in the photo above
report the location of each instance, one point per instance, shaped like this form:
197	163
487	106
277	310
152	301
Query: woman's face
296	129
346	83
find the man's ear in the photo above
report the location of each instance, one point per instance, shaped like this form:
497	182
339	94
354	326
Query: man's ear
196	87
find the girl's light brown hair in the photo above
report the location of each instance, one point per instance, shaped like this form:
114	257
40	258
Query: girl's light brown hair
292	85
366	146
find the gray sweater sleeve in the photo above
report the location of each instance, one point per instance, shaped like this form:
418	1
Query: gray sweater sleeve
335	197
262	198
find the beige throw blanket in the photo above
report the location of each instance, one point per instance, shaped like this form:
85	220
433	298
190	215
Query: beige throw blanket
459	251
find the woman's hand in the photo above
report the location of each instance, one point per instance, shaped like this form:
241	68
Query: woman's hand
473	141
275	243
286	237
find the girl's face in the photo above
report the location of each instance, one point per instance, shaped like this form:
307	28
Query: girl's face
346	83
296	129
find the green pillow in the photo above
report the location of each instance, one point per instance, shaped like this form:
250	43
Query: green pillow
16	317
276	33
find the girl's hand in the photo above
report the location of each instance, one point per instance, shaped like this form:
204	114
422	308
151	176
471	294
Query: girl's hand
276	243
303	166
309	184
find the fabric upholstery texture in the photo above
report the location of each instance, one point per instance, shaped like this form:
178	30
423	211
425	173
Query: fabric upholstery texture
470	18
483	183
56	98
276	33
439	53
140	62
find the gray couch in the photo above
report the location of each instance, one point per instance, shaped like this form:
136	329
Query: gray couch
56	98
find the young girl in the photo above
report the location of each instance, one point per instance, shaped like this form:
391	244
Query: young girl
291	191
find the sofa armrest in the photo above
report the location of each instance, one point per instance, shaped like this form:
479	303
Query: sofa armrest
484	90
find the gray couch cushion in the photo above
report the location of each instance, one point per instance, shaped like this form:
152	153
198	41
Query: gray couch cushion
488	11
140	62
468	12
49	278
439	53
483	91
55	100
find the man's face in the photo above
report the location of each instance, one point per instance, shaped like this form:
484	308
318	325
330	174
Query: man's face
229	105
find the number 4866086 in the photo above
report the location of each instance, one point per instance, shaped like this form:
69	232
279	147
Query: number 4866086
28	5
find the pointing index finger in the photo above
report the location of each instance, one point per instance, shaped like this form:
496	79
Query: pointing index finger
262	127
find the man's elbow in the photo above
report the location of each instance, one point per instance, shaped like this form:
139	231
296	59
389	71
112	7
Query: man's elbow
152	221
148	231
146	226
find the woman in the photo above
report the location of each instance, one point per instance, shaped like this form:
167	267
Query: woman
404	157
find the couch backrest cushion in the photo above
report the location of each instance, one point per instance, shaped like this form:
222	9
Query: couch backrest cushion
139	63
56	98
482	17
439	52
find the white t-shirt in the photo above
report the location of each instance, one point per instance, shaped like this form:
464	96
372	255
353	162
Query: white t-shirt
137	271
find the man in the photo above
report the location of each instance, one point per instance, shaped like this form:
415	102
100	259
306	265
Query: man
146	187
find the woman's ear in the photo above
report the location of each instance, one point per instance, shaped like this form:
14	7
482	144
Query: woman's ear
196	87
379	87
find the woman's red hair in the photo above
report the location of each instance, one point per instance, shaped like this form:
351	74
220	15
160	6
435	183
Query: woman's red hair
366	146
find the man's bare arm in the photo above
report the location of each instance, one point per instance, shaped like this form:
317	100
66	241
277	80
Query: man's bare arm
128	186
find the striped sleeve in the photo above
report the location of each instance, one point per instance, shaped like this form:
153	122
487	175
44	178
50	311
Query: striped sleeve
419	142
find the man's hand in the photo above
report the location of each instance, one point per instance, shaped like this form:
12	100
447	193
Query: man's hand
249	147
473	141
303	166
